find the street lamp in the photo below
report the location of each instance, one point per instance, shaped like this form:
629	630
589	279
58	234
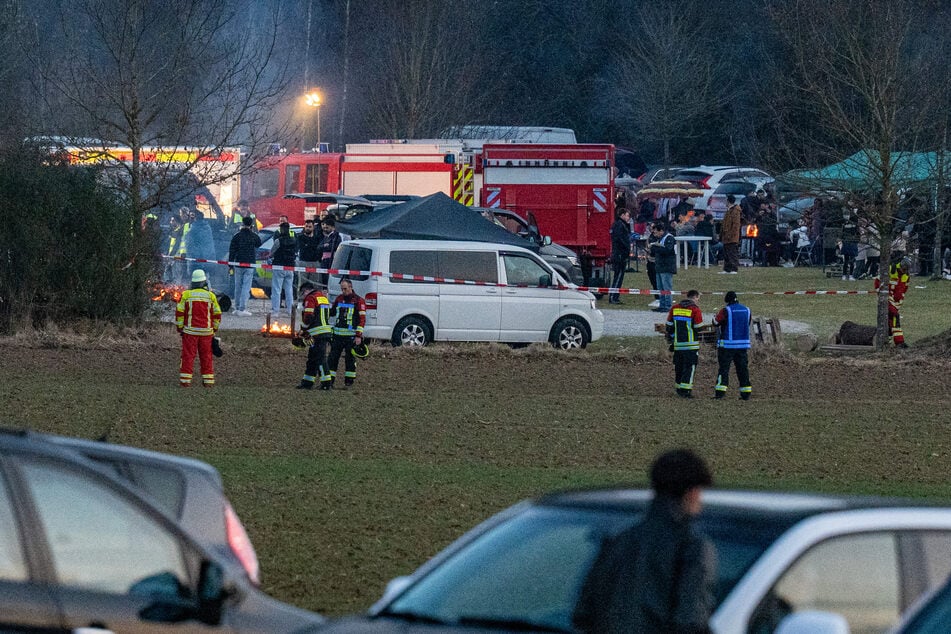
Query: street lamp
312	99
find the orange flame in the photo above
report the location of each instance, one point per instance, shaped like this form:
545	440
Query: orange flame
277	329
751	231
167	292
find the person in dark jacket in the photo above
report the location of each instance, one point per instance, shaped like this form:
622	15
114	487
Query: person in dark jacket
243	250
658	576
620	251
328	245
682	323
283	253
665	264
308	252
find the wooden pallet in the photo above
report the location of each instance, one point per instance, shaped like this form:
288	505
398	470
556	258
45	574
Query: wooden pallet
767	330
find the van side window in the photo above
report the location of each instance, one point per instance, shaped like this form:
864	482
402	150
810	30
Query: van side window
352	258
413	263
477	266
524	271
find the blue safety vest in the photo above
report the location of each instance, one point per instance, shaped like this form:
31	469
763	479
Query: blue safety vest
735	333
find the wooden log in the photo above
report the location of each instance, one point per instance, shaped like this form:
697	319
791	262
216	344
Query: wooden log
806	342
853	334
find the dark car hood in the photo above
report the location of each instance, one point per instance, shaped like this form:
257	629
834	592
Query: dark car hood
364	625
557	250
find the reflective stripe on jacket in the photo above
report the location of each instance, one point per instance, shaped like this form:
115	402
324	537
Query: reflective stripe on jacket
351	314
734	323
680	325
198	312
316	314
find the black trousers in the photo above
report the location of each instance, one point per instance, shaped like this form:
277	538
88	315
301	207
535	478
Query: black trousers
617	277
727	357
317	360
731	257
685	366
341	345
652	276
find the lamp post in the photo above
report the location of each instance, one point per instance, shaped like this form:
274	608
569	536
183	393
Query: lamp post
312	99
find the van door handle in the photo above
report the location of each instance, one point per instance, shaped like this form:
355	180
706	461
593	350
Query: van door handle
91	630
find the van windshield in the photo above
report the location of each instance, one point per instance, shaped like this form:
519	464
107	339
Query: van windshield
352	258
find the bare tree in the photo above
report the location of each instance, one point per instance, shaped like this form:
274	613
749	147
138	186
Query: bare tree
856	76
423	77
668	80
160	74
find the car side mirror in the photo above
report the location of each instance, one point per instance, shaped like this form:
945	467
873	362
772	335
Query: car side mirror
211	593
546	240
544	280
813	622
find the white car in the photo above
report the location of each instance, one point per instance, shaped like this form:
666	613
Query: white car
708	178
781	558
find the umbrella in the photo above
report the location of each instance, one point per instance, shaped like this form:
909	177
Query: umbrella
670	189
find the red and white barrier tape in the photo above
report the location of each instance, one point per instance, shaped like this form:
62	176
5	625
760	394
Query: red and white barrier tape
601	290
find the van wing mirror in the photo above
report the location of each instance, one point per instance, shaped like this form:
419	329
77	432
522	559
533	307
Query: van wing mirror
211	592
546	240
544	280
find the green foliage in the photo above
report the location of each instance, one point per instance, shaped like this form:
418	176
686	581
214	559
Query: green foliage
70	249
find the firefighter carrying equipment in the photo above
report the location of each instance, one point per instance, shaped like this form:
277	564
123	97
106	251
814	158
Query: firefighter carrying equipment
216	347
361	351
351	312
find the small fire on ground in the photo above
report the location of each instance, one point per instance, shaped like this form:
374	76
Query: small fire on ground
277	329
167	292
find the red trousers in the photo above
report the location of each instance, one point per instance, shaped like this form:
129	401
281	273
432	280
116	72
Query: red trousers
894	326
200	344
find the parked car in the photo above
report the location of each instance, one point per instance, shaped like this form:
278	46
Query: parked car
659	173
779	554
717	205
512	297
561	258
708	178
188	490
81	550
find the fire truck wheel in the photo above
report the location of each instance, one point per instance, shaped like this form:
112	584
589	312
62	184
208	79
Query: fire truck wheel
570	333
412	331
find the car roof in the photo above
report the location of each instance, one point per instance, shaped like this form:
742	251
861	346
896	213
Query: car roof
789	505
422	245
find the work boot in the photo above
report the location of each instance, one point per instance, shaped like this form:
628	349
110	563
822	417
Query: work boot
902	345
687	394
718	396
326	385
744	397
305	385
348	382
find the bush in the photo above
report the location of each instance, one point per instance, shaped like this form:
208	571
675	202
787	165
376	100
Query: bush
70	248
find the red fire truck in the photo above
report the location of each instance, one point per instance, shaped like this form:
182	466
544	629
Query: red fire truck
569	188
384	168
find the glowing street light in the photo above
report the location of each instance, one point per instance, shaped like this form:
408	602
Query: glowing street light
312	99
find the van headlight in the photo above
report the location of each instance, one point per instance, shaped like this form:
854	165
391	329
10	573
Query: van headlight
575	261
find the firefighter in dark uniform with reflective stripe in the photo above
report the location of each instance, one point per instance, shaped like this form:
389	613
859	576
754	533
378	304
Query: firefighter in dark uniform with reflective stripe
733	324
315	320
682	321
351	315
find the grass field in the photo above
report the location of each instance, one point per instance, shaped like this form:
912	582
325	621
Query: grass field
342	491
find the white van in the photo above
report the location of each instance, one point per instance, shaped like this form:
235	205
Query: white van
410	312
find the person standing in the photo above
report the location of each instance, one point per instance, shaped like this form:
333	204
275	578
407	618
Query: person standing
620	251
308	253
850	244
244	211
733	342
658	576
329	244
315	324
898	275
682	322
175	269
283	253
351	314
197	317
243	250
730	236
665	264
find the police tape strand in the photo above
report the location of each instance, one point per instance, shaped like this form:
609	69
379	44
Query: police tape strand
601	290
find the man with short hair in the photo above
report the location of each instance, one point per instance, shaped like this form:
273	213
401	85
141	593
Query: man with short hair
620	251
730	236
328	245
308	253
283	254
682	322
197	317
243	250
665	264
733	324
316	327
351	313
658	576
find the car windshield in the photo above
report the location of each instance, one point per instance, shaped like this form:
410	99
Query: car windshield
734	188
530	569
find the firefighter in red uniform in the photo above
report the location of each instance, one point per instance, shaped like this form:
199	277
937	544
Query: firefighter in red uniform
315	320
351	313
682	321
897	287
197	317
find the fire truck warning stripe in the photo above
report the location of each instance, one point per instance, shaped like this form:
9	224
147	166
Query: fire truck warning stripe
605	290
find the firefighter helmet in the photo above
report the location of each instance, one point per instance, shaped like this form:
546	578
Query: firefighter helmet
360	351
198	276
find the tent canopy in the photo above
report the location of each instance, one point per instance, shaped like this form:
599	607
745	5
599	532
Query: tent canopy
434	217
863	172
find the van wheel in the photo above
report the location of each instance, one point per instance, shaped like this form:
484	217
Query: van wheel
569	334
412	331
